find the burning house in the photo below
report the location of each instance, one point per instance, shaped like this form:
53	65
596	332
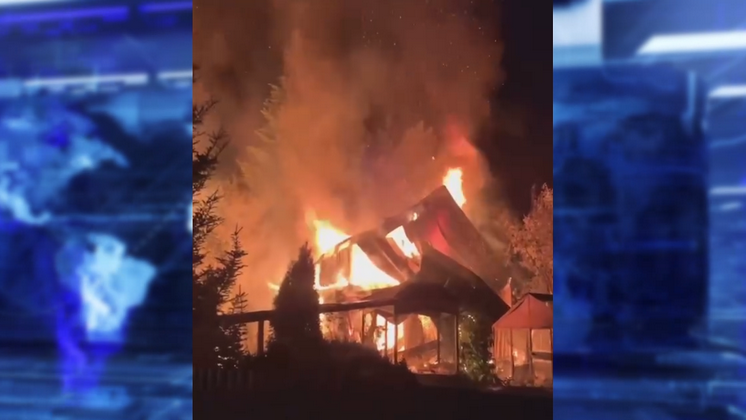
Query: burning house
399	287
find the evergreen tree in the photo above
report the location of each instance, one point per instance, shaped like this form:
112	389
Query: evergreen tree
259	158
213	346
296	318
237	333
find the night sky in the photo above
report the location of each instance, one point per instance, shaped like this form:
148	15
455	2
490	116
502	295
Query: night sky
523	158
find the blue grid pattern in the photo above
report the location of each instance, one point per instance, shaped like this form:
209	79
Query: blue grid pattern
650	212
95	117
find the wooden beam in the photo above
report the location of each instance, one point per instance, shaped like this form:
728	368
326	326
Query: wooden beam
247	317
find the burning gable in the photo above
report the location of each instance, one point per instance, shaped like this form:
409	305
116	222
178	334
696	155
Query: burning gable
434	229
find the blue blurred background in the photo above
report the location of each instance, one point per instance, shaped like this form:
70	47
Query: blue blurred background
650	211
95	195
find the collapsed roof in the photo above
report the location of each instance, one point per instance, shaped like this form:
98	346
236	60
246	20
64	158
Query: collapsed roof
442	234
464	287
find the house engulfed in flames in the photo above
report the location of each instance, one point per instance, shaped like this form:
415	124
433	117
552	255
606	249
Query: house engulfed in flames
400	287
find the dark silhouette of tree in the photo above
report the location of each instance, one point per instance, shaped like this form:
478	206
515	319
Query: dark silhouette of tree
238	332
296	318
213	346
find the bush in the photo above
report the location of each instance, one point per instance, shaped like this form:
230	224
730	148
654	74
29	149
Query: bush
295	321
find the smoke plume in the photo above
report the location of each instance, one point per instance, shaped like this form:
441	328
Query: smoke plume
373	101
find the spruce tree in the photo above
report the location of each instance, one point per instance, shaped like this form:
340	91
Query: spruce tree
234	353
296	318
239	304
212	284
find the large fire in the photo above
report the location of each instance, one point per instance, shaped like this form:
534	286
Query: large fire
327	236
364	273
454	185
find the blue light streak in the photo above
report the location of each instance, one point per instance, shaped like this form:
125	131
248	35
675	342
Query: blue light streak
694	43
175	75
734	190
190	218
4	3
166	7
728	91
133	79
93	83
114	13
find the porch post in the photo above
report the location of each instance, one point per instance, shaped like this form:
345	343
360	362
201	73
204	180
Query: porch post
396	337
458	355
386	337
531	354
438	326
260	338
512	357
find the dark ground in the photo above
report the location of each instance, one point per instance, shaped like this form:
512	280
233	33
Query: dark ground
423	403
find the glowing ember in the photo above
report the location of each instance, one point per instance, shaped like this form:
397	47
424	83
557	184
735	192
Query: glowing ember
400	239
453	183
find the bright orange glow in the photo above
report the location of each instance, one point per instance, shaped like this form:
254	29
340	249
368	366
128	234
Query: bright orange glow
365	274
327	236
428	328
385	341
400	239
454	184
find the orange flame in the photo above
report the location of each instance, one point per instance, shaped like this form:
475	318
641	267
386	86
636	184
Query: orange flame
454	184
385	340
365	274
400	239
327	236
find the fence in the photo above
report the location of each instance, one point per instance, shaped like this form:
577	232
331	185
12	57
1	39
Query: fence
223	379
236	394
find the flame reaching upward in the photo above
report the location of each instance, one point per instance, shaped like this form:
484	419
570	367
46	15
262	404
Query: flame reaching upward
453	182
327	236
